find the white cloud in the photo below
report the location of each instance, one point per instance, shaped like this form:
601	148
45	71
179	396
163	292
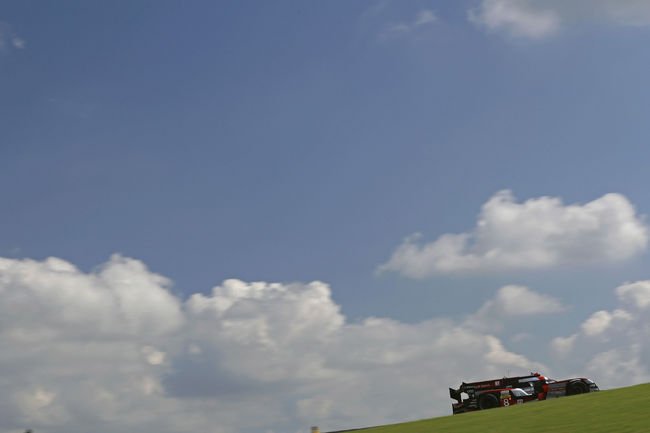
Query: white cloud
537	19
122	297
9	39
113	348
423	18
516	17
153	356
513	302
334	373
116	350
522	301
612	346
600	321
536	234
563	345
637	294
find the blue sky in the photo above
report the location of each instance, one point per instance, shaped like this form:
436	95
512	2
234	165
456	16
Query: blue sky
293	142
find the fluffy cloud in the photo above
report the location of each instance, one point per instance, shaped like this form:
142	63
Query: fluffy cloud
612	346
538	19
637	294
513	302
538	233
115	350
77	348
121	298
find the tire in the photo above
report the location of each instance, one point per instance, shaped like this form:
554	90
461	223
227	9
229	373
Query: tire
576	388
488	401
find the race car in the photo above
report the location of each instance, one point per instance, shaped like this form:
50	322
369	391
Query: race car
507	391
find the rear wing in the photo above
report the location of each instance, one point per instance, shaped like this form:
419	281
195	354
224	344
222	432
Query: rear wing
455	394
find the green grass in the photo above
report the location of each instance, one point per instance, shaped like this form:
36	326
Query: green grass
622	410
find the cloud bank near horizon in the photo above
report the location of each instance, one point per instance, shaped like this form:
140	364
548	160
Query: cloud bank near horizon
115	349
539	233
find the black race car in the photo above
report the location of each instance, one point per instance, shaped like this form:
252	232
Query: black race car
507	391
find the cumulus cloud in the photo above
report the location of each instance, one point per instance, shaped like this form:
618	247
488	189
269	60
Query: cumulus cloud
537	19
513	302
600	321
612	346
536	234
121	298
637	294
116	350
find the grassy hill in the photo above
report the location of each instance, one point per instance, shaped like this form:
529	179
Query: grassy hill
622	410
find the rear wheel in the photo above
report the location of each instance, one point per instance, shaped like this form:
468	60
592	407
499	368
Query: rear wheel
578	388
488	401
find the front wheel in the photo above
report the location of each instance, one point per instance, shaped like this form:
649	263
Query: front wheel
578	388
488	401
